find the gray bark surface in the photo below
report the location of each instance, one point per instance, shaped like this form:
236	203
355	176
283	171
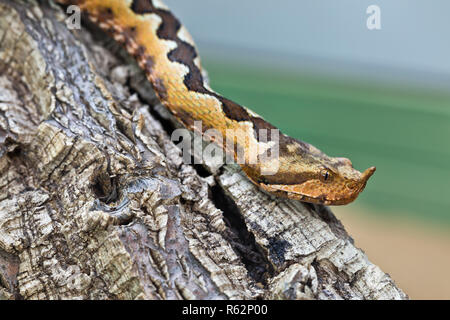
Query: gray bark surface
96	202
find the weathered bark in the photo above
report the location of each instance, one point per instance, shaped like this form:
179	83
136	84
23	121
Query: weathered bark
96	203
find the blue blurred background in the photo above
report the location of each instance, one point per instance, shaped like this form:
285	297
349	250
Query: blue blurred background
378	97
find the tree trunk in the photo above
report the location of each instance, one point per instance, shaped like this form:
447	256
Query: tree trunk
96	202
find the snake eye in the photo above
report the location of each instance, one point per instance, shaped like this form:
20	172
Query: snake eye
325	175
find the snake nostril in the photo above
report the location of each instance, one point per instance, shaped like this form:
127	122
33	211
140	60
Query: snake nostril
351	185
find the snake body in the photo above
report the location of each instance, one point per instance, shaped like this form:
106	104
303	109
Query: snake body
164	49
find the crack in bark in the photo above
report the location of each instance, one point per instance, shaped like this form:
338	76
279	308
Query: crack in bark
259	268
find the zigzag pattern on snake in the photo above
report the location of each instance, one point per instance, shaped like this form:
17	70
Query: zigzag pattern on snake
166	52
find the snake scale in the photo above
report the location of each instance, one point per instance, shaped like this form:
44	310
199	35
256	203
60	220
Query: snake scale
166	52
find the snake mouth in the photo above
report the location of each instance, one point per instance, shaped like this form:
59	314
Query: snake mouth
322	199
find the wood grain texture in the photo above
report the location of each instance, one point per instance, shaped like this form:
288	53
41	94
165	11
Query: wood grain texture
96	203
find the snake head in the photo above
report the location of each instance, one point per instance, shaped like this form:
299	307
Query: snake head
312	176
328	185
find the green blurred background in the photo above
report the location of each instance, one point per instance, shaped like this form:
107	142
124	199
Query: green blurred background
380	98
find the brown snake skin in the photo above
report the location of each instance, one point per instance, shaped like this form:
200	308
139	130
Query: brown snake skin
166	52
